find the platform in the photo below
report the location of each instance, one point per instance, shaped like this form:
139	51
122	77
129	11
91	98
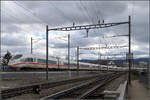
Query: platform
136	91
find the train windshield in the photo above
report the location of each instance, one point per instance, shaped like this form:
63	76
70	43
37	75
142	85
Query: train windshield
27	60
17	57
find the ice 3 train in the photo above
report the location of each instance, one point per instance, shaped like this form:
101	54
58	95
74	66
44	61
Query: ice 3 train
30	61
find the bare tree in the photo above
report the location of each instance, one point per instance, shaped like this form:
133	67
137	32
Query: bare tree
6	58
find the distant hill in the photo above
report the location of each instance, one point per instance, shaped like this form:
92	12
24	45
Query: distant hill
116	61
141	59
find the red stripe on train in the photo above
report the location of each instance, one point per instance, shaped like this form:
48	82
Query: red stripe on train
18	64
34	64
42	64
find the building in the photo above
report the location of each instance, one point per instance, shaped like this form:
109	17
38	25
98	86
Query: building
143	64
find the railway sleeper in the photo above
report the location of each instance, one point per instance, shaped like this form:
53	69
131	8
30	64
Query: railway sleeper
96	92
33	88
68	92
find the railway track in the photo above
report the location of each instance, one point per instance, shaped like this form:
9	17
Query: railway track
89	90
31	88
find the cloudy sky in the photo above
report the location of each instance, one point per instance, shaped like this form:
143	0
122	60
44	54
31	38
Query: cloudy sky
21	20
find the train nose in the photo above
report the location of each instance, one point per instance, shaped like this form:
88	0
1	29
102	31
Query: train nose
11	62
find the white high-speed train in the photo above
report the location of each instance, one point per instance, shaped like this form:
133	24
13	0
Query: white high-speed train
31	61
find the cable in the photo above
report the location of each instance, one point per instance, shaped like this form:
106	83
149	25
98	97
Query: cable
17	3
61	12
85	9
8	14
28	11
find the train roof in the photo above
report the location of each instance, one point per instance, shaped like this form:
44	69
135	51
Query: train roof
55	58
34	56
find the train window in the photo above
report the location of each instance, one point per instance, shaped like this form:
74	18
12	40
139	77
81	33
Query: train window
65	63
34	59
81	64
23	60
51	62
72	64
41	61
17	57
28	59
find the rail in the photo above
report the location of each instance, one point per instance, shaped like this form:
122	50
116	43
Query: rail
90	87
31	88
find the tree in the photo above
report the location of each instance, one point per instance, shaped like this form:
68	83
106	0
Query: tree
6	58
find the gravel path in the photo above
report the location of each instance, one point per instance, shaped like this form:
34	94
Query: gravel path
136	91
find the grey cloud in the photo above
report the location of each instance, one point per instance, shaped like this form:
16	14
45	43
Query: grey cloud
14	40
6	28
57	14
19	50
65	13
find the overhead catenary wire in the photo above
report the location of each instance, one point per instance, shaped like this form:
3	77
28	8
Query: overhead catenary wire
99	20
15	19
28	10
86	10
61	12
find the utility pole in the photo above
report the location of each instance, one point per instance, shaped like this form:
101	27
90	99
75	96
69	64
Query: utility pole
78	59
58	62
69	55
129	60
31	45
0	48
47	52
107	61
99	57
68	51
